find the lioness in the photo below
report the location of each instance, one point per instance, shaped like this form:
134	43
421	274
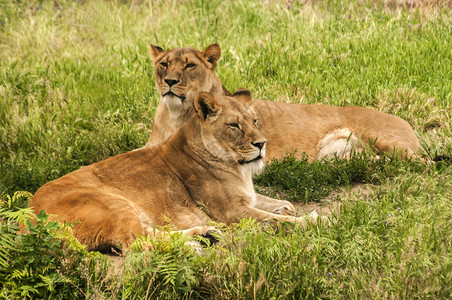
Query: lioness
200	173
317	130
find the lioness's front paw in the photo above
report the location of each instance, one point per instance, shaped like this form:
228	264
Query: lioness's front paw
204	230
313	217
212	236
285	209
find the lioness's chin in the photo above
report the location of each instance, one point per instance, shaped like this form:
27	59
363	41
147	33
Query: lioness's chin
172	101
176	106
254	167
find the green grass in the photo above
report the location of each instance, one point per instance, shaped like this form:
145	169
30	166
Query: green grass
77	86
305	182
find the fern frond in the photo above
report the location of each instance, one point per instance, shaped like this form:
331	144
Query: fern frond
18	216
11	202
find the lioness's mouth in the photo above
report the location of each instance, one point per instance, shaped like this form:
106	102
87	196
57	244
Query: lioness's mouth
244	162
169	93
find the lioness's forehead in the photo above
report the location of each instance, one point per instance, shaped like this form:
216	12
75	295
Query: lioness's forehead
239	108
181	54
181	51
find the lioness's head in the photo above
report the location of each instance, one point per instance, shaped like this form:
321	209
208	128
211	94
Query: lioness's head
230	130
181	73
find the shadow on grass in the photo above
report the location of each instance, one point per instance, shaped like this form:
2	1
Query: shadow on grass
304	181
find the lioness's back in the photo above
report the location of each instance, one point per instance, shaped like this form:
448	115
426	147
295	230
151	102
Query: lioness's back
306	128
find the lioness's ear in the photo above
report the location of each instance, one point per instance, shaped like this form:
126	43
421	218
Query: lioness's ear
212	54
155	51
206	106
244	96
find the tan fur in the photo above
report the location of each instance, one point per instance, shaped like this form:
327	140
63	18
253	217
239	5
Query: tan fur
317	130
200	173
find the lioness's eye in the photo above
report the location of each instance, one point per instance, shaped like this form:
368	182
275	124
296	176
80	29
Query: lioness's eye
164	65
234	125
190	66
256	123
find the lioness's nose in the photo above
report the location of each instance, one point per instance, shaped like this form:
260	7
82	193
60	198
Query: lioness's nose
171	82
259	145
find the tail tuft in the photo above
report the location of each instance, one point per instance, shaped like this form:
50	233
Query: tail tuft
442	158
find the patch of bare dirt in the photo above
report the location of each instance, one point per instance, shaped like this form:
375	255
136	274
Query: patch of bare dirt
331	204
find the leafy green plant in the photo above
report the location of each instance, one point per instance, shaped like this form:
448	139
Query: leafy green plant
38	258
169	269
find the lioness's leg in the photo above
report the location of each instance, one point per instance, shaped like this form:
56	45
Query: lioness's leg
260	215
275	206
339	143
194	231
103	221
106	220
389	145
